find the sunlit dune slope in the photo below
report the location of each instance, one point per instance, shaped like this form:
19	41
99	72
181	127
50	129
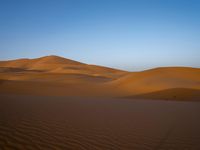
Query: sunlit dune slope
56	64
43	63
157	79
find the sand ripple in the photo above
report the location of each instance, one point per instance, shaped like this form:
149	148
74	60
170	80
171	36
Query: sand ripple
55	123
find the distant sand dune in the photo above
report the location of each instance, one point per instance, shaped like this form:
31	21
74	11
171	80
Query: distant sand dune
60	76
57	64
157	79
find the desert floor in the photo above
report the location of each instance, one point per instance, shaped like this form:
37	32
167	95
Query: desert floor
42	122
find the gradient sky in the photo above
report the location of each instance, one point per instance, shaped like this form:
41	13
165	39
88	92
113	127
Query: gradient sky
126	34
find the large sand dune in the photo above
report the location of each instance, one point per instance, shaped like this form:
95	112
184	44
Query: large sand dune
153	80
56	64
60	76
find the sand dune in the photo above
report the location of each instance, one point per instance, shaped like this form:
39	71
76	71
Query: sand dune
57	103
9	69
56	64
67	75
157	79
179	94
38	63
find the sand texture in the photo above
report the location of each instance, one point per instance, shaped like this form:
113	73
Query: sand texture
41	122
54	103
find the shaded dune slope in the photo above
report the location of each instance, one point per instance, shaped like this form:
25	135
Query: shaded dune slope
48	88
179	94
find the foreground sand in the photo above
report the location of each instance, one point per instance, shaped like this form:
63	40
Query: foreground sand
42	122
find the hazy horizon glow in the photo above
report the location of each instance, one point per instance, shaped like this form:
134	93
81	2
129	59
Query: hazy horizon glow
125	34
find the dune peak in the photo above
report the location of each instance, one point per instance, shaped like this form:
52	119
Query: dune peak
56	59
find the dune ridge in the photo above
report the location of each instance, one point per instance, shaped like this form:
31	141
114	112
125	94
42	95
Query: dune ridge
68	77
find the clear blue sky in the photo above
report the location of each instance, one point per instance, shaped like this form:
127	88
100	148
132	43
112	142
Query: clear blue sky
126	34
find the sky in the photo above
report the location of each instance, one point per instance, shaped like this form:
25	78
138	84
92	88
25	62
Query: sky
125	34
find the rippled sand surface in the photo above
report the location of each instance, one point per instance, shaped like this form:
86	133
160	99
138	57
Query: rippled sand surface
36	122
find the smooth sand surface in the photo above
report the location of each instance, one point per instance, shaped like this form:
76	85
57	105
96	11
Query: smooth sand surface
45	88
42	122
178	94
157	79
